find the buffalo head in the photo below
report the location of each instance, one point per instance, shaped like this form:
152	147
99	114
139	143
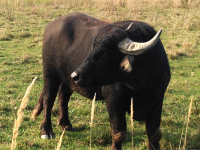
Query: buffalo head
110	51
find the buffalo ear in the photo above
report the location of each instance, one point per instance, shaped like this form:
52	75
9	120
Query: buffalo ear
126	63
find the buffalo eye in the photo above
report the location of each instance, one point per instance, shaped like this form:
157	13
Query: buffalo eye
103	55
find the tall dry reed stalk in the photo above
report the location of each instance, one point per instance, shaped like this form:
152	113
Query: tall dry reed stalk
182	132
60	141
189	113
92	119
18	121
132	123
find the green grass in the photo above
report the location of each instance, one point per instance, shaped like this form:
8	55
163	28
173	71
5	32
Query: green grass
22	24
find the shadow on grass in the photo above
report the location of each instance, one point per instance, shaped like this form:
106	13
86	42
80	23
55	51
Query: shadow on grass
81	128
178	55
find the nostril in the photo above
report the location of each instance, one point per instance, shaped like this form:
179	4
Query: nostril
74	76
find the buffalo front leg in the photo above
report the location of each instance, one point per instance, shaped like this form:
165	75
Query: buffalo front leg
63	98
49	93
116	113
152	127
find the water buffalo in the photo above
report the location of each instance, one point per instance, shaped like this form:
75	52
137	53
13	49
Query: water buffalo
116	60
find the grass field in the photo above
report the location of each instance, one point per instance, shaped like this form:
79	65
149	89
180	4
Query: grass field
22	24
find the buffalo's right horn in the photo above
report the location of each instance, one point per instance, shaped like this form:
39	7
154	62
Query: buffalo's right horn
129	47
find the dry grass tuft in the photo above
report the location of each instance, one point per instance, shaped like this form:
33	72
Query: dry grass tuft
6	35
92	118
189	113
8	9
60	141
20	115
25	58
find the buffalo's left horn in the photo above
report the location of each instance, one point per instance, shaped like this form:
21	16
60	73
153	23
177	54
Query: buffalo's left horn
129	47
129	26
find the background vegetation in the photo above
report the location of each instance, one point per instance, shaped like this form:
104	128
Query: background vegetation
22	24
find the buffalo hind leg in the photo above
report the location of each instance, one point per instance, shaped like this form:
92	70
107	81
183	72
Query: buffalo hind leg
49	94
63	98
38	107
152	127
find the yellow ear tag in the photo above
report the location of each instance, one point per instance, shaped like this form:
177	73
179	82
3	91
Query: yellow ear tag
125	64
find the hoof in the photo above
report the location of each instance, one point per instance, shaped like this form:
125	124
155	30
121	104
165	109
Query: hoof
52	136
69	129
44	137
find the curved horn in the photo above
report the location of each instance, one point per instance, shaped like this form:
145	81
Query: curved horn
129	26
129	47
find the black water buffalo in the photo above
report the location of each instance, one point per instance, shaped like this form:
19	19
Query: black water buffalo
115	60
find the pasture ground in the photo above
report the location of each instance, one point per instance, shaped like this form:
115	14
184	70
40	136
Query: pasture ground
22	24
